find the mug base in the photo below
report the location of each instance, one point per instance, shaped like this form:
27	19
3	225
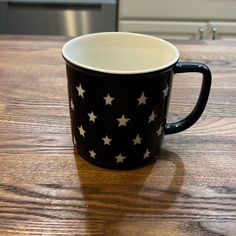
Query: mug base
119	167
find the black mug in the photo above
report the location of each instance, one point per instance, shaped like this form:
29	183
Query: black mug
119	90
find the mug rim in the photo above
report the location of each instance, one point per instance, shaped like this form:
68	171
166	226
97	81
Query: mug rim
119	72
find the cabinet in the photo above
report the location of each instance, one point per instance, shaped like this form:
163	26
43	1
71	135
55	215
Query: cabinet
222	30
166	29
179	19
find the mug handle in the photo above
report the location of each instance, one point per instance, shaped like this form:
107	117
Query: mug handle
183	67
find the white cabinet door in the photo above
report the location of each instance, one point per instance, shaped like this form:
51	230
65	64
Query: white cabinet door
222	30
166	29
177	9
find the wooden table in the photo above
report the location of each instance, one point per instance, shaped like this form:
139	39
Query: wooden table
46	188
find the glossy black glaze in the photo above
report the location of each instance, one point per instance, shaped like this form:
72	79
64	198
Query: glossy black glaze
184	67
126	131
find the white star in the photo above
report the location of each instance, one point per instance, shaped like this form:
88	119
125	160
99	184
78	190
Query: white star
72	105
165	91
159	131
81	131
108	99
92	154
146	154
152	117
120	158
122	121
92	117
142	99
81	91
106	140
137	140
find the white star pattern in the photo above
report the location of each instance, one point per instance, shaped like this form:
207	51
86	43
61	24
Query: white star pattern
120	158
137	140
165	91
72	105
119	116
108	99
81	91
146	154
142	99
92	117
92	154
81	131
159	131
107	140
152	117
122	121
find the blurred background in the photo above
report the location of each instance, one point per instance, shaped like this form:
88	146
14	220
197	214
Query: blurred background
178	19
57	17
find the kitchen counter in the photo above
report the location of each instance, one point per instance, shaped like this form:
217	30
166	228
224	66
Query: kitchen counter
47	188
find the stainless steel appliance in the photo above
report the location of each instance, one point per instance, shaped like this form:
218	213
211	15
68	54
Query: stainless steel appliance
57	17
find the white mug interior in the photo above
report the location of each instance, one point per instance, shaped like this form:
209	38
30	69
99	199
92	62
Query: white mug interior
120	53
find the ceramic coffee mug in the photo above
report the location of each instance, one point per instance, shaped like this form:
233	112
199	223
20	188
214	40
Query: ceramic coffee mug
119	89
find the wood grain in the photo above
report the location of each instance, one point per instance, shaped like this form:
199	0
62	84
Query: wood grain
46	188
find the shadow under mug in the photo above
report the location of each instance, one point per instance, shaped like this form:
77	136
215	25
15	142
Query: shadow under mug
119	90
